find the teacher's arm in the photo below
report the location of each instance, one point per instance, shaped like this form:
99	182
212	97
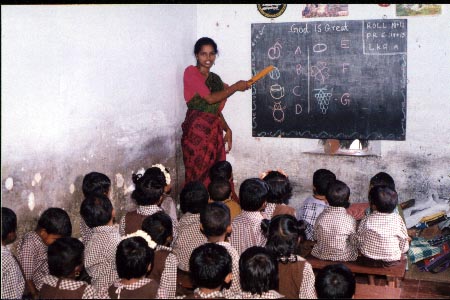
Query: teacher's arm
216	97
228	138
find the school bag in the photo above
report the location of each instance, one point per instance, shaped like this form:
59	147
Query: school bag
439	262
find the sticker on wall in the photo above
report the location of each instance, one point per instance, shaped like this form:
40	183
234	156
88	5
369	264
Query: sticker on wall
325	10
403	10
271	10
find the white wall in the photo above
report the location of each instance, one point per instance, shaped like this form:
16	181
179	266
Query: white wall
89	87
419	165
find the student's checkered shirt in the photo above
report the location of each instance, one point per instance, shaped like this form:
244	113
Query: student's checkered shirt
13	283
235	287
168	283
32	256
70	285
189	237
100	258
335	233
383	236
246	231
309	212
271	294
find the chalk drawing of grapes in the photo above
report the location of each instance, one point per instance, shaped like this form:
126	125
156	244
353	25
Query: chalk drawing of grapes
323	99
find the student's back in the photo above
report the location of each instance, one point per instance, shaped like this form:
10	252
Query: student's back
335	230
246	227
314	205
382	235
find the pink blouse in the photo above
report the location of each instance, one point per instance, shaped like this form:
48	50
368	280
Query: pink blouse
194	83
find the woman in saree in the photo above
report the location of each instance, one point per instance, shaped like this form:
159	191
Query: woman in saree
203	140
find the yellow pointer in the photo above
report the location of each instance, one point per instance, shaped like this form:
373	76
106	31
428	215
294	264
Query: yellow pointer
260	75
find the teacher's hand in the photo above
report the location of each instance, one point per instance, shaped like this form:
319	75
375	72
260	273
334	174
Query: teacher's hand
228	139
242	85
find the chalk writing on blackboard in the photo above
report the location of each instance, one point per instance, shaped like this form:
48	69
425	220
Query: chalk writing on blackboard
332	79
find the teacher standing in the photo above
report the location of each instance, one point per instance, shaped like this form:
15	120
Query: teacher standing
203	141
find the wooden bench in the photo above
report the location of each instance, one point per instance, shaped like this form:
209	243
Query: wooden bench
394	274
364	291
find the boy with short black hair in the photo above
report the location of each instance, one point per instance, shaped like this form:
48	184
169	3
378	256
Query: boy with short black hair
193	200
335	282
314	205
247	225
220	190
335	230
94	183
53	224
98	213
210	266
258	270
382	235
65	262
223	169
216	226
13	283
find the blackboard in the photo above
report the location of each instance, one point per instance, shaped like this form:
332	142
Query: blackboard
333	79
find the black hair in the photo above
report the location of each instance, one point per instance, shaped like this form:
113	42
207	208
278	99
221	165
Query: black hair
258	270
321	179
148	187
95	183
56	221
384	198
335	282
193	197
219	189
96	210
221	169
338	194
209	265
382	178
202	42
215	219
283	233
9	222
64	255
253	193
158	226
133	256
280	189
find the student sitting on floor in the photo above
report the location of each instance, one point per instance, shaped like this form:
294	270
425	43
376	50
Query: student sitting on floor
65	262
193	200
223	169
280	191
148	194
313	206
99	255
382	236
94	183
13	283
210	266
134	258
335	282
220	190
296	276
335	230
53	224
246	227
164	270
216	226
258	273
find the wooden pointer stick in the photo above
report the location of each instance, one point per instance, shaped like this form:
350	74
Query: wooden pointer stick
260	75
